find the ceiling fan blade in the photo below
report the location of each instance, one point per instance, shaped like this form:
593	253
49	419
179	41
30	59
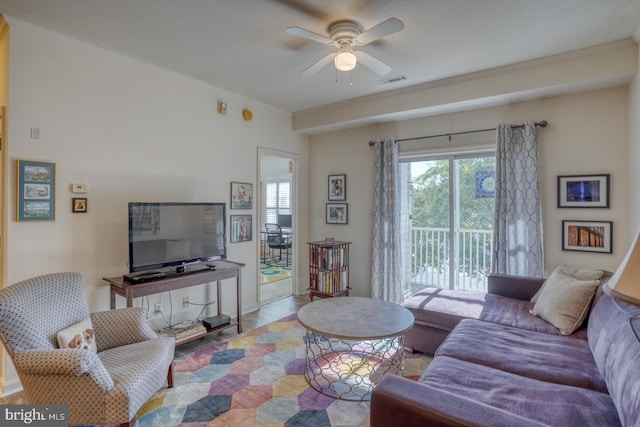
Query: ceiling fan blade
323	62
301	32
375	65
383	29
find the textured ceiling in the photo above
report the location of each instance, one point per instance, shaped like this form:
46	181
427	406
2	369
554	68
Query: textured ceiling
241	45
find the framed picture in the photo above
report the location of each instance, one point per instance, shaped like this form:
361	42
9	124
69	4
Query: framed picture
337	213
241	226
241	195
587	236
36	192
583	191
338	187
79	205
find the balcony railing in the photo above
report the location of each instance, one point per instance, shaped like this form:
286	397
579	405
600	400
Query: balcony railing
431	259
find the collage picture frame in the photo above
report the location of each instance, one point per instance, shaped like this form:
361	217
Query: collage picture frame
36	191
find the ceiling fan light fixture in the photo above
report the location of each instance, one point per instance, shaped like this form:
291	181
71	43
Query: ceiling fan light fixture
345	60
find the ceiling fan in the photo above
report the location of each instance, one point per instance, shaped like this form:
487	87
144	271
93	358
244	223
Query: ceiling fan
347	36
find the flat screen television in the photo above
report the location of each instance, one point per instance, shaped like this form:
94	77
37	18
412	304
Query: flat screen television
175	234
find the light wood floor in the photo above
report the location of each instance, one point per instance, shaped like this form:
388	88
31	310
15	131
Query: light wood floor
266	314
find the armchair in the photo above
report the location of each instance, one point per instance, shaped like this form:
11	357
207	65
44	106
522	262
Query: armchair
277	240
107	387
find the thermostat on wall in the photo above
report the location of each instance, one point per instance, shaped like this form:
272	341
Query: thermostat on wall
78	188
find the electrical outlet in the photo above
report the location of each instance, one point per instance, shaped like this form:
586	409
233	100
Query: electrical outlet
185	302
158	309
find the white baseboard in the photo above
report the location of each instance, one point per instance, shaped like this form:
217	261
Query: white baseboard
10	387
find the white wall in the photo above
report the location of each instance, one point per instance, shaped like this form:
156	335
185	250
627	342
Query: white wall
131	132
587	133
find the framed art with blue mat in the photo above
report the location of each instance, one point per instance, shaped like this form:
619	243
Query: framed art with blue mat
36	192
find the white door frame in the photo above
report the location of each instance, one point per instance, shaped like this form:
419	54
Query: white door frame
264	152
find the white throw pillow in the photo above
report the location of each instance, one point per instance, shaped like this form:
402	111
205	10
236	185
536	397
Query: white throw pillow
78	335
564	301
573	272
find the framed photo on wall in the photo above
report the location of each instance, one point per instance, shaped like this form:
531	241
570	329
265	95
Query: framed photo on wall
587	236
241	195
241	226
337	213
79	205
338	187
583	191
36	192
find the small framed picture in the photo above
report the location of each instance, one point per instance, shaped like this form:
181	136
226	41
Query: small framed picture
337	213
583	191
587	236
338	187
241	226
79	205
36	192
241	195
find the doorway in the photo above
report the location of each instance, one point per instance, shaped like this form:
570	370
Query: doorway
276	224
447	221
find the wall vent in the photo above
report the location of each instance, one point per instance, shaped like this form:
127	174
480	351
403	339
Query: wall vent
393	79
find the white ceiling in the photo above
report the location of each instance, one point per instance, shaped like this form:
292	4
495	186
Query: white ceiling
241	45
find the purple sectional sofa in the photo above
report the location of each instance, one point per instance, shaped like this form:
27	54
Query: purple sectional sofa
501	366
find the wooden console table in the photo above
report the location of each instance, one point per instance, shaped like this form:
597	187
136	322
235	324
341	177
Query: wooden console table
223	270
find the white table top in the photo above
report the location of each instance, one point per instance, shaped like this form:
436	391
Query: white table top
355	318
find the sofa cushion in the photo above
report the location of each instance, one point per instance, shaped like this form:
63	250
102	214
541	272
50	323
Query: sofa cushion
545	402
564	301
614	331
550	358
443	309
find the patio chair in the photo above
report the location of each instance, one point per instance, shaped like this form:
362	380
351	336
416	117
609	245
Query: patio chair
276	239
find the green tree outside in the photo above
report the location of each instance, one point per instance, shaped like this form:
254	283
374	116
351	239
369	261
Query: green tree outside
431	206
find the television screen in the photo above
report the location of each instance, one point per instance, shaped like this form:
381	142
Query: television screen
284	220
164	235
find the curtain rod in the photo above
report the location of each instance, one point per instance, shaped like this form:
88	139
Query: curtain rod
542	124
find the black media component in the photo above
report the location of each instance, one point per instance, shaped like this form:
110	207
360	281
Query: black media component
142	278
215	321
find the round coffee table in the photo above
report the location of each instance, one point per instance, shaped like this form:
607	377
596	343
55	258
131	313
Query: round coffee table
351	343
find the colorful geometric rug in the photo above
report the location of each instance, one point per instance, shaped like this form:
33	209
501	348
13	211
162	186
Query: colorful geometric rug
255	379
274	272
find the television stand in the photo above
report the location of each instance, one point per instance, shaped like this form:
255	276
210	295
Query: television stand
221	270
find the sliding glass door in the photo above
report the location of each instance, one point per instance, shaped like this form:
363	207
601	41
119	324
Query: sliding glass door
447	211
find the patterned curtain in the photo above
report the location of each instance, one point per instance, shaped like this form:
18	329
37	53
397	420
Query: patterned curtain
517	223
386	267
